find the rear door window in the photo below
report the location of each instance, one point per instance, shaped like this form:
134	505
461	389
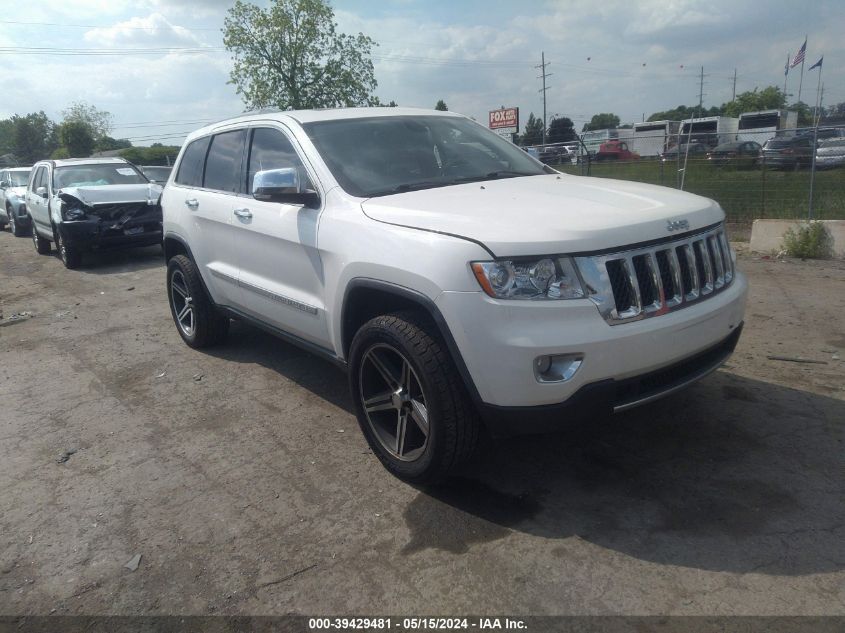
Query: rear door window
191	168
223	165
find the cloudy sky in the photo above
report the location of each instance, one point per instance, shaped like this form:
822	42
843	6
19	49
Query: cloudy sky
630	57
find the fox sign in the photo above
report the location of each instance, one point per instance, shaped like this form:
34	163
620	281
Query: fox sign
506	119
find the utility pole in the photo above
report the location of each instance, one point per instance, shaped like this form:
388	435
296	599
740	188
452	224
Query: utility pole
543	75
700	90
733	98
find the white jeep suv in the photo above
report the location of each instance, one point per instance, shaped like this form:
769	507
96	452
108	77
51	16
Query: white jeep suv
462	284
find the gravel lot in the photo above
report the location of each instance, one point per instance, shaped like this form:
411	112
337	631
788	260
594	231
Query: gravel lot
242	480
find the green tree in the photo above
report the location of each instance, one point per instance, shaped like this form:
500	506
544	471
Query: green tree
7	137
291	56
34	136
98	122
108	143
392	104
683	112
561	130
769	98
76	138
155	155
533	133
805	113
603	121
441	105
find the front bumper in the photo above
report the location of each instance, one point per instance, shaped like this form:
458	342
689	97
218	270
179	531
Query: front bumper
95	234
499	341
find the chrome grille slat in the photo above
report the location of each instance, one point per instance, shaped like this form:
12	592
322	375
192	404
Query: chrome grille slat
651	265
695	289
634	283
726	252
716	249
675	267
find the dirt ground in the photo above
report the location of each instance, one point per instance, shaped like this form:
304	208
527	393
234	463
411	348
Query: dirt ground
241	479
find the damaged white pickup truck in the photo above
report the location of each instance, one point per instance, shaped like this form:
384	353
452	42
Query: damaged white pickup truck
91	203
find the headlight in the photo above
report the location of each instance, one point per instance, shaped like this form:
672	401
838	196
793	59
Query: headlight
545	278
74	213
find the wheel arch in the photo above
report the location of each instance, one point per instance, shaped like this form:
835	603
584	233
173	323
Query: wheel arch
366	298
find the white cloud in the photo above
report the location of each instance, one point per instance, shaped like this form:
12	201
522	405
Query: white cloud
151	31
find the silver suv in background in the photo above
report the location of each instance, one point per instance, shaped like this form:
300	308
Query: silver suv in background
13	199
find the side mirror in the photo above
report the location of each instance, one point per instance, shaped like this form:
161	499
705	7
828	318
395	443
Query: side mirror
42	191
282	185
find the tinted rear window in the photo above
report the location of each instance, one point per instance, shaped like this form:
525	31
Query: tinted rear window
223	166
191	167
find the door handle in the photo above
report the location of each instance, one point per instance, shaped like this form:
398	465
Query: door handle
192	203
246	214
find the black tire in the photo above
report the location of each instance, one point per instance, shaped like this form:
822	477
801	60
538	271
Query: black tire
42	246
70	256
14	227
208	326
453	425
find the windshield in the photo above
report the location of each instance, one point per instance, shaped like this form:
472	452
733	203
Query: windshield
18	178
96	175
377	156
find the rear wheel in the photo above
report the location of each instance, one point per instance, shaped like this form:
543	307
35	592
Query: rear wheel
42	246
410	401
198	322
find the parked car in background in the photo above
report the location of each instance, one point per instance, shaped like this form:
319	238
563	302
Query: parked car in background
823	133
696	151
555	155
459	281
156	173
736	154
788	152
13	199
81	204
830	153
615	150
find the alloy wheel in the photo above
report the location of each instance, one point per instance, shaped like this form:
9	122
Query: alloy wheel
183	306
393	402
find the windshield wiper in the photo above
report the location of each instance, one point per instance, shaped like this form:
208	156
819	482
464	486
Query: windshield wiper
493	175
411	186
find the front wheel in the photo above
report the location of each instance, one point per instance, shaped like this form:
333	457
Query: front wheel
42	246
14	227
71	257
199	323
410	400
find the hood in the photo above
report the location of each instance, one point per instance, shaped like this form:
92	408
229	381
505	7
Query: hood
542	215
113	194
20	192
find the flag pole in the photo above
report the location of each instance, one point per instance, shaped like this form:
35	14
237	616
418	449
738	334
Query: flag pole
786	74
801	81
815	143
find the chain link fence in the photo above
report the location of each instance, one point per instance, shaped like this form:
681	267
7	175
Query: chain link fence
750	173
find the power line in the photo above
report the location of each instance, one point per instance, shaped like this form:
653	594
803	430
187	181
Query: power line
105	26
109	52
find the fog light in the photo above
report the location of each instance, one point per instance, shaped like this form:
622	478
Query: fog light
557	368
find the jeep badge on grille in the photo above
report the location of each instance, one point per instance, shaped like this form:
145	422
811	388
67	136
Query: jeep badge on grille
677	225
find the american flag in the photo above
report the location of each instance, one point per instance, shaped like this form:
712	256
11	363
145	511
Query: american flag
799	56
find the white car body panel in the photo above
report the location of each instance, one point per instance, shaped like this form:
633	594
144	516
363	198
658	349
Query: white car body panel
554	213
